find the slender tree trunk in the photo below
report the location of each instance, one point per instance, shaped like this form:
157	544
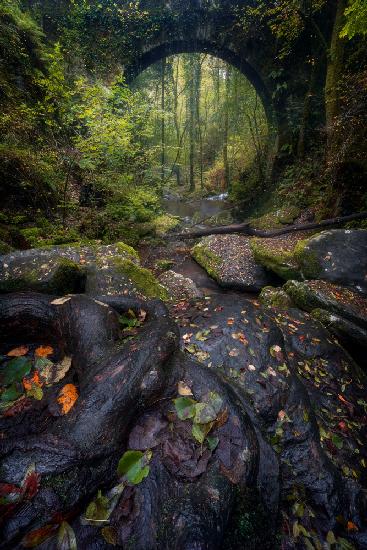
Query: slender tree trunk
306	112
333	77
191	113
163	127
226	130
198	114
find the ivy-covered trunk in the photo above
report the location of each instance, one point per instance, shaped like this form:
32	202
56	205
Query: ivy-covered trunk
333	78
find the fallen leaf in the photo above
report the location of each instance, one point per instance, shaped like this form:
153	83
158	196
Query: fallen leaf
36	537
67	398
44	351
184	389
53	372
60	301
30	381
66	539
18	352
15	370
134	466
110	535
351	526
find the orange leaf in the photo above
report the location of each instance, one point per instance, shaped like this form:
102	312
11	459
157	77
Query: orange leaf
44	351
67	397
35	380
351	526
35	538
18	352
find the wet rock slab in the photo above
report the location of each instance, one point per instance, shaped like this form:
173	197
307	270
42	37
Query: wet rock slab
111	269
338	256
229	260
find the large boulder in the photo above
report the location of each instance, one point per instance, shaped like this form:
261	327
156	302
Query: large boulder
310	295
278	254
341	310
338	255
110	270
228	259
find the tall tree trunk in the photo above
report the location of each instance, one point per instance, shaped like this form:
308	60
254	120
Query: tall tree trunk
301	146
333	76
191	121
198	113
163	127
226	130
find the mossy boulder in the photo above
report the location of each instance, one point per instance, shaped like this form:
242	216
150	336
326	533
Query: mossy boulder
273	256
229	260
275	297
338	300
111	270
179	287
348	333
276	218
204	256
141	278
338	256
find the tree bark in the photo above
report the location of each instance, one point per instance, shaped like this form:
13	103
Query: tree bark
246	229
333	77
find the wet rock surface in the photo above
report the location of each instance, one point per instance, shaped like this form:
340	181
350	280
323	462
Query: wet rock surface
230	261
287	435
111	270
339	256
178	286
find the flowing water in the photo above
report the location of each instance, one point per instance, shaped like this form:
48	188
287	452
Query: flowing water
196	210
193	212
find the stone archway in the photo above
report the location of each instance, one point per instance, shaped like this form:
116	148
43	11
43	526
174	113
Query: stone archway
213	27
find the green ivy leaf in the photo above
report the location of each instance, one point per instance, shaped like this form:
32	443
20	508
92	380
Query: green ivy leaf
215	401
204	413
185	407
133	465
36	392
11	394
98	509
200	431
15	370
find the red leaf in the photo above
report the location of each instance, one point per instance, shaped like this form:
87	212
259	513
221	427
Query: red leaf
31	485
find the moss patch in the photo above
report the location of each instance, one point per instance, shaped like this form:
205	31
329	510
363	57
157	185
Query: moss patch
207	259
165	223
277	260
5	248
69	277
307	260
142	279
275	297
277	218
126	249
165	265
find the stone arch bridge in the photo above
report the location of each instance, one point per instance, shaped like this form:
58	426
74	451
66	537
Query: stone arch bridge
214	27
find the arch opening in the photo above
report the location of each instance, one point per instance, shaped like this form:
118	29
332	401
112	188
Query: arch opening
211	127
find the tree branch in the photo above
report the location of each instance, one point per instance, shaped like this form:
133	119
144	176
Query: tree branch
246	229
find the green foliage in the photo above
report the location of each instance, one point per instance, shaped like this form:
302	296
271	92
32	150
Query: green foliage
133	466
356	19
